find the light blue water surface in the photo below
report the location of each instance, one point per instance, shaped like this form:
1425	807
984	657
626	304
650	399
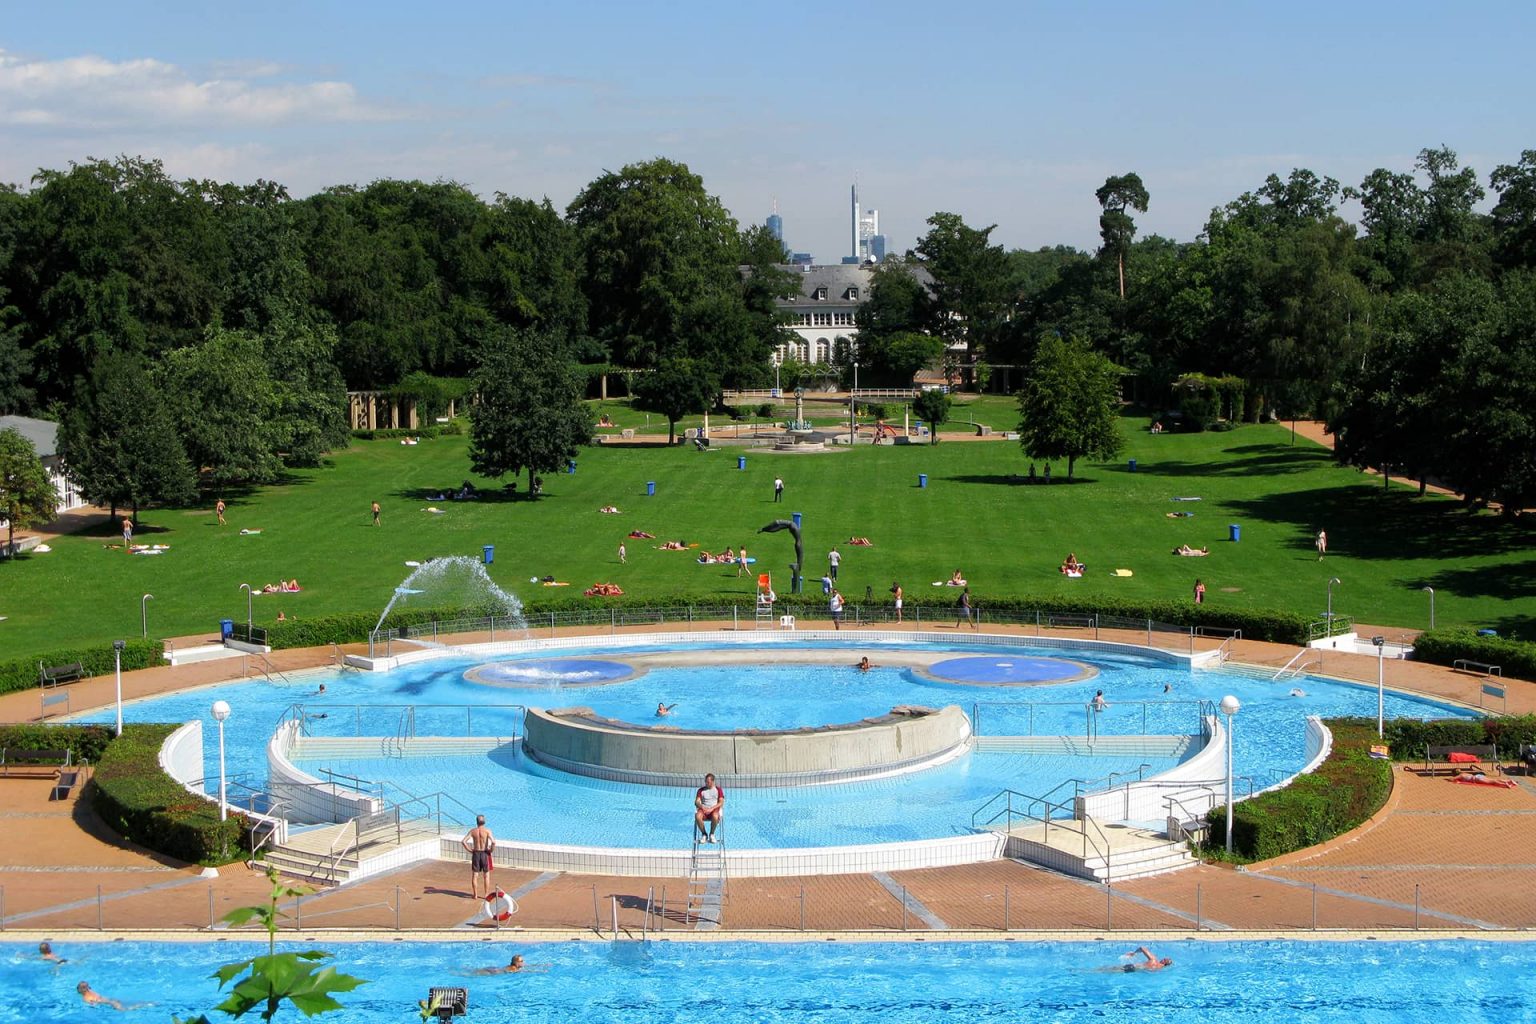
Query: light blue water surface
533	803
892	983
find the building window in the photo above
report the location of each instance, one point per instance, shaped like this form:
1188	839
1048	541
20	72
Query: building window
842	319
804	319
821	294
823	350
803	351
853	294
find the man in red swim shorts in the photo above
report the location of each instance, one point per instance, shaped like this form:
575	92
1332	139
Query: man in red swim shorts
709	805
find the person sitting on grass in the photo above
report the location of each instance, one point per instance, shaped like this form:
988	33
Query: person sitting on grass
1071	567
861	542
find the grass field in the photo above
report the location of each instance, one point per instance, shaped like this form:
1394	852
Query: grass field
1007	538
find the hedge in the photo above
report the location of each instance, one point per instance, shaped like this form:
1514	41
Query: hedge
1516	658
137	798
453	428
1345	790
1408	737
21	673
84	742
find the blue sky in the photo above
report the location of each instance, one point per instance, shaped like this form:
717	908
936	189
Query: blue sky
1006	113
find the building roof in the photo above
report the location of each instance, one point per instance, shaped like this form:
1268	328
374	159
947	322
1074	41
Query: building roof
43	434
838	278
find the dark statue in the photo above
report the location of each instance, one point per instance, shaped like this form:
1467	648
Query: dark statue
794	570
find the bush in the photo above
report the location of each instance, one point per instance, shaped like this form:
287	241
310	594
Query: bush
1408	738
22	673
1517	658
84	742
355	627
137	798
765	411
395	433
737	413
876	410
1343	792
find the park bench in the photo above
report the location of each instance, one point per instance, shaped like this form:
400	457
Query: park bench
23	759
54	675
1437	759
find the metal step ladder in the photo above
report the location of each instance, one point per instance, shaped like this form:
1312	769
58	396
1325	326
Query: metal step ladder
767	617
707	882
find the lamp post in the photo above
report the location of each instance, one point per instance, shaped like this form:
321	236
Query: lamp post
778	357
1381	691
144	614
1229	707
1431	592
247	588
221	712
1331	583
117	660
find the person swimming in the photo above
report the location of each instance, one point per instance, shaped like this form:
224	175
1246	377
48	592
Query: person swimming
864	665
663	709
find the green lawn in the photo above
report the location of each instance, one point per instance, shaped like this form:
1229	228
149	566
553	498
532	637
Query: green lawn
1007	538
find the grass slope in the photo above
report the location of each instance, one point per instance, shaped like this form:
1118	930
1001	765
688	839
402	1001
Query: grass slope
1006	537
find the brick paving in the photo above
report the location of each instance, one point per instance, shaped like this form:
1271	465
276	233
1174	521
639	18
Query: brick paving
1465	852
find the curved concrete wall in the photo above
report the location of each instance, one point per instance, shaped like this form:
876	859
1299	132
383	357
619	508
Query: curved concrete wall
181	757
303	798
572	739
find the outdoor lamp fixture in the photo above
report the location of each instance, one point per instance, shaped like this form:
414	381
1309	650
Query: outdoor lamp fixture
1229	707
1431	592
144	614
221	712
247	588
1331	584
1381	693
117	659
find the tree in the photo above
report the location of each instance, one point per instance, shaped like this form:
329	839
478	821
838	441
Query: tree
27	496
932	406
675	389
226	407
970	298
1118	194
896	358
120	442
1514	215
1068	408
530	415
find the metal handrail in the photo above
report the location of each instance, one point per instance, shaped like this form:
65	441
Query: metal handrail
308	711
978	706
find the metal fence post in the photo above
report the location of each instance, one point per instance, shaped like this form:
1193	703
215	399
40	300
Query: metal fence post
613	904
802	906
1149	632
1314	906
597	922
397	908
98	909
1007	911
298	913
1197	907
1109	906
903	907
210	908
1415	906
2	908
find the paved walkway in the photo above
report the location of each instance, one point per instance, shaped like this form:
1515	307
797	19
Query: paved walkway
1440	855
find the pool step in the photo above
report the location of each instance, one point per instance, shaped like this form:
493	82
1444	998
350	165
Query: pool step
1122	852
326	856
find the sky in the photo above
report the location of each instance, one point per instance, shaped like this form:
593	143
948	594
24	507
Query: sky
1006	113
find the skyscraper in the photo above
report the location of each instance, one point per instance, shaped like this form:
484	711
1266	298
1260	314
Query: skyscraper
776	223
865	229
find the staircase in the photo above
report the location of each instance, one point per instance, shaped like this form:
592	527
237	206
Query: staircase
1108	853
706	883
332	855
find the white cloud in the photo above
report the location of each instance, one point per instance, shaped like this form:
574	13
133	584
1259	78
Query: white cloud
91	91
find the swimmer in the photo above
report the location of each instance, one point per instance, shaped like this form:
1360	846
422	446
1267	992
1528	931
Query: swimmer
514	966
1149	962
1167	687
94	998
663	709
1098	702
1297	692
45	951
864	665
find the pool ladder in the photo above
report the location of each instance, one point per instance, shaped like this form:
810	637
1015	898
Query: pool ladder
707	882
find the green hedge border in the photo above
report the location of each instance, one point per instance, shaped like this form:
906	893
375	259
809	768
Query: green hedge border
1517	658
1345	790
84	742
21	673
135	796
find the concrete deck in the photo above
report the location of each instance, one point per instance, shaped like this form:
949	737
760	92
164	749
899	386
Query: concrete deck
1447	857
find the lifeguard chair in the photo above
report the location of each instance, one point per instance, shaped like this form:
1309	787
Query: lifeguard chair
765	601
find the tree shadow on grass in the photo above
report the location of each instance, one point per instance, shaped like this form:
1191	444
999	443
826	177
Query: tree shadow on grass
1365	522
493	496
1016	480
1515	581
1267	461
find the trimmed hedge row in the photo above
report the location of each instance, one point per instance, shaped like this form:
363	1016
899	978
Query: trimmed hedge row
453	428
1408	738
21	673
1344	791
137	798
84	742
1517	658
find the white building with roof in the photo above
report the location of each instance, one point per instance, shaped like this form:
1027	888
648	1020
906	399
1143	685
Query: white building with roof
45	438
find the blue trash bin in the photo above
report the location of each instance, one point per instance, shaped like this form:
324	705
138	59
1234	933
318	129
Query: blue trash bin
1133	465
650	488
489	553
570	467
922	480
1234	532
796	517
741	462
226	628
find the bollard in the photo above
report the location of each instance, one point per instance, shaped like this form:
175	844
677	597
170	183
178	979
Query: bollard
210	908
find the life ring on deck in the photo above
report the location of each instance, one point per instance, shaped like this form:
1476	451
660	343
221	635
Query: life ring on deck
499	906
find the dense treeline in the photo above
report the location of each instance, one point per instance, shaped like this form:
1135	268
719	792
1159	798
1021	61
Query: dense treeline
196	334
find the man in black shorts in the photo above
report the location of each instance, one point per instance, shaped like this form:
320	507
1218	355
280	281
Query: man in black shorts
479	842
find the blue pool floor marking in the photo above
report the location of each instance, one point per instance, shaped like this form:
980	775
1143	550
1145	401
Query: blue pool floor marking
1378	901
1009	670
106	897
913	904
517	894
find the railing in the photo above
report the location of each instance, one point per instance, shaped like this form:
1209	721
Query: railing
262	833
1327	627
1047	812
1483	667
1117	709
360	786
1305	658
249	634
267	668
1224	652
432	808
508	718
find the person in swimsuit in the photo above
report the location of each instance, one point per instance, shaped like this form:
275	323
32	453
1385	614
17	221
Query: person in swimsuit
709	807
375	510
219	509
1149	962
663	710
896	593
479	842
94	998
864	665
45	951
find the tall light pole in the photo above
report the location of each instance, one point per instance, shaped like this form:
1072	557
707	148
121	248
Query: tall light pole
1229	707
778	357
1381	690
1431	592
117	659
144	614
221	712
1331	584
247	588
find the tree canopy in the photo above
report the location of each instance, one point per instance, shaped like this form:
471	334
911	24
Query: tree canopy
27	495
1069	408
529	416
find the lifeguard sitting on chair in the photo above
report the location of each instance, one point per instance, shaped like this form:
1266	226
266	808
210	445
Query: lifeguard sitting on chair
765	594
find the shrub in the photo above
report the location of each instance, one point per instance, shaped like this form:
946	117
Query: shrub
737	413
137	798
1345	790
1408	737
21	673
1517	658
876	410
765	411
395	433
84	742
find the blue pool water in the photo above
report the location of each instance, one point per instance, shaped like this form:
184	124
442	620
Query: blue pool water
835	983
529	802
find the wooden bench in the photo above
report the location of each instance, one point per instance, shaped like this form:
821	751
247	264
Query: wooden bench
20	758
60	673
1437	758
